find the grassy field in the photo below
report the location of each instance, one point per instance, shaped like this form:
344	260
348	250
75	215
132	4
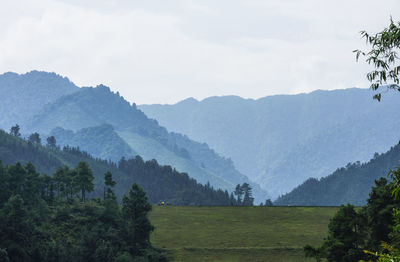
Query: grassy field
239	233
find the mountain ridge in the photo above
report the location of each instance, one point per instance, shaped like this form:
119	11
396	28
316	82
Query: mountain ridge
90	107
348	184
266	131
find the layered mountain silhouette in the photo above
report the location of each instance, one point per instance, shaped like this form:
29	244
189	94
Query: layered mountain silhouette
280	141
161	183
23	96
349	184
107	126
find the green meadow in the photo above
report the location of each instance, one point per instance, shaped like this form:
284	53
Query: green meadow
239	233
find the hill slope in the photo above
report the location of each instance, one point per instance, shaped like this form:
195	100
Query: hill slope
84	110
92	107
279	141
161	183
101	141
350	184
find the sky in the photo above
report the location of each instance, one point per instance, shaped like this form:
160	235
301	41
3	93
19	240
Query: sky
168	50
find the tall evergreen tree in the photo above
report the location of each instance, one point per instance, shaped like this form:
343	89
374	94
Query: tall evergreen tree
109	184
14	131
379	213
135	209
239	193
83	179
51	142
345	241
248	196
34	138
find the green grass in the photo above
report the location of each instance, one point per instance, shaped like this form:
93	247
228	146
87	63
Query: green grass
239	233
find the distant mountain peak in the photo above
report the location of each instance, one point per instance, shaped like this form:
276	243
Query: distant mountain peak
228	97
103	87
188	100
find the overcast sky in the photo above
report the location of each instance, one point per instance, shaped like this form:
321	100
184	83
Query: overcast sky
165	51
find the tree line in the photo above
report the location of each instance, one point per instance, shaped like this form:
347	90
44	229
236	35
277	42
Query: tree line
353	230
161	183
371	233
45	218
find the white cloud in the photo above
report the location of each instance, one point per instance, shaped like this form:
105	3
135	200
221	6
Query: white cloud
158	53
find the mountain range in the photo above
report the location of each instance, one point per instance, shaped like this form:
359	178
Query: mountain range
281	141
103	123
349	184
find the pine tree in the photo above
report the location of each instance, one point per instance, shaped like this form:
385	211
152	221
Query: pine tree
239	192
83	179
135	209
248	196
14	131
109	184
51	142
34	138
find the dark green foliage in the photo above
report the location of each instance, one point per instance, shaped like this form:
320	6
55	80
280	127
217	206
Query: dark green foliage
4	255
313	252
109	184
379	213
161	183
346	238
349	184
351	231
248	195
83	179
37	227
345	241
167	184
246	190
135	208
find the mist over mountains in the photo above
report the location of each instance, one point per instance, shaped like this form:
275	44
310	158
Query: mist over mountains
348	184
280	141
275	142
107	126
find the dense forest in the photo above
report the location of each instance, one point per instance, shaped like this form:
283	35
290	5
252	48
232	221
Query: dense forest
353	230
339	187
47	218
161	183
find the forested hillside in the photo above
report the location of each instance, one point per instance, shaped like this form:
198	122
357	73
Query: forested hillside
280	141
349	184
161	183
47	218
107	126
101	141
